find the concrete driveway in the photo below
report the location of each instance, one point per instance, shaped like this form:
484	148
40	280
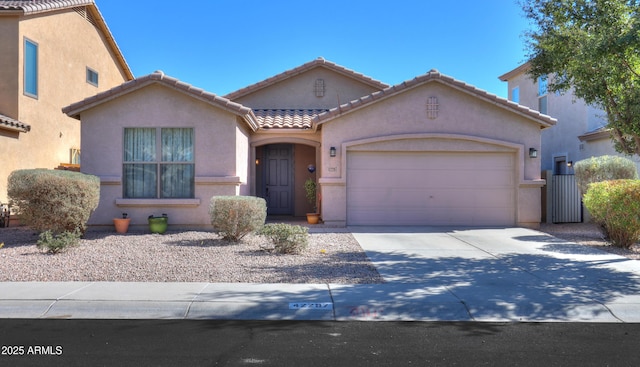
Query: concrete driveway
491	274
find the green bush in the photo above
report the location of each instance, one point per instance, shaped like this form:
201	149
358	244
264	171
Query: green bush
615	205
287	238
53	200
603	168
234	217
58	243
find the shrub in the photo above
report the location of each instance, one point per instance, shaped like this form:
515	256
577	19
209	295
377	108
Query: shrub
60	242
53	200
615	205
287	238
233	217
603	168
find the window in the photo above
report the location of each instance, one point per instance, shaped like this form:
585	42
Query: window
515	94
74	156
92	77
158	163
30	68
542	94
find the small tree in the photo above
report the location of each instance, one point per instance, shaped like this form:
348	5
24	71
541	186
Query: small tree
603	168
590	47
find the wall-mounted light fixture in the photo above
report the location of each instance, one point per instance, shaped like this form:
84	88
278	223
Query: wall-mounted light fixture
311	168
570	164
257	161
533	153
332	151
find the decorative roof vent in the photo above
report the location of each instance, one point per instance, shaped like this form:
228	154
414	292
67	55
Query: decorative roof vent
432	108
319	88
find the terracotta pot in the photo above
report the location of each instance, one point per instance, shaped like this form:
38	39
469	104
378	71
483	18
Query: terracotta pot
313	218
121	224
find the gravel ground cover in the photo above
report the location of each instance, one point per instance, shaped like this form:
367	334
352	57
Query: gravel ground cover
201	256
588	234
189	256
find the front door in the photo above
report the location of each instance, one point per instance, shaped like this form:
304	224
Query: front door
278	176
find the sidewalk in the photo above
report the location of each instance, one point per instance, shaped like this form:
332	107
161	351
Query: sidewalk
497	275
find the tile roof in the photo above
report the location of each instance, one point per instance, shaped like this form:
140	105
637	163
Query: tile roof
75	109
436	76
286	118
7	122
319	62
38	6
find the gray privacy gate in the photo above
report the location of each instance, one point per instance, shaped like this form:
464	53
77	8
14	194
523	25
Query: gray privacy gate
563	202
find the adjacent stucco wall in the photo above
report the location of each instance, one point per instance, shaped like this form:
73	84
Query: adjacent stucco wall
67	45
467	122
299	92
10	45
574	117
220	150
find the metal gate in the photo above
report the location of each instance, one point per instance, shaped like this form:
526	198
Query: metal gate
566	204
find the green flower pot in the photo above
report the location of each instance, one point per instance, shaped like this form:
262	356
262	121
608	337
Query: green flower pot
158	224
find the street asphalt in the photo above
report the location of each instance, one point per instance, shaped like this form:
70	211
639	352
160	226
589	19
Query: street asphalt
430	273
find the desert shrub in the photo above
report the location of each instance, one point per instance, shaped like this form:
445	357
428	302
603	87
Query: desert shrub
287	238
53	200
234	217
603	168
58	242
615	205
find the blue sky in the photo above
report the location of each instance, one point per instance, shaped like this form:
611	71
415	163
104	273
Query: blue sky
225	45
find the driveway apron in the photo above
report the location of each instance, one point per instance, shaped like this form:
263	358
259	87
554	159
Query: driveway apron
490	274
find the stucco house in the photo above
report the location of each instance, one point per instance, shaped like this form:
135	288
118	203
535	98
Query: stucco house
52	53
429	151
580	131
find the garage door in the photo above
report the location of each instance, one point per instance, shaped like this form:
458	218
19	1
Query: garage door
430	188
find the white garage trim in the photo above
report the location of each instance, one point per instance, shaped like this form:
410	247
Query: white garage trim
463	180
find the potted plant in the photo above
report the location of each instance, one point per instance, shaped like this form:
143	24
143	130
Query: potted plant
310	187
158	224
122	224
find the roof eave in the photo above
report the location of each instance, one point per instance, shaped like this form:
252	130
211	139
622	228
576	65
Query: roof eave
75	110
517	71
435	76
319	62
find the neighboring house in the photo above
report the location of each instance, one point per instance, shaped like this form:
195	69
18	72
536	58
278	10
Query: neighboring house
52	53
429	151
580	132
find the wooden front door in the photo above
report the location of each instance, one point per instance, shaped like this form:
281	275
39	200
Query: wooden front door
278	177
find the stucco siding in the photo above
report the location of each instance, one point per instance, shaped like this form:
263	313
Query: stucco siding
10	45
220	150
464	123
67	45
299	92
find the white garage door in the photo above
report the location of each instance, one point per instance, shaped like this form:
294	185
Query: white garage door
429	188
